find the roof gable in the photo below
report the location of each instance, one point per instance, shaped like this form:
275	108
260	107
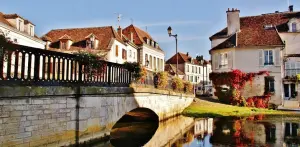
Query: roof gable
253	32
104	35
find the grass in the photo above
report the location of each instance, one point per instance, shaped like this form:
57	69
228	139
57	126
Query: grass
204	108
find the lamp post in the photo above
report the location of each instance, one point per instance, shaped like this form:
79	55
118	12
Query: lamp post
170	35
202	63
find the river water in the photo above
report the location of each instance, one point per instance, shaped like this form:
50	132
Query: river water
272	131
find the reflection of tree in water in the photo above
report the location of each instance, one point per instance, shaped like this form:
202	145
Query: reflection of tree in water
243	131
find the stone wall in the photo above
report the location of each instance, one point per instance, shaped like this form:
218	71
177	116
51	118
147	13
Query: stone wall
53	117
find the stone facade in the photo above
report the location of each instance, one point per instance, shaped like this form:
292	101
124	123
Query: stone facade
38	120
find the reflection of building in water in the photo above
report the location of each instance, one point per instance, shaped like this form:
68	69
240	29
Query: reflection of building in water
203	126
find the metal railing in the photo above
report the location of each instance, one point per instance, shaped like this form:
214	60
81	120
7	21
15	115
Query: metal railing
21	65
291	72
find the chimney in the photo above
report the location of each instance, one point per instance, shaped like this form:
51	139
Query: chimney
187	53
131	36
291	8
120	31
233	21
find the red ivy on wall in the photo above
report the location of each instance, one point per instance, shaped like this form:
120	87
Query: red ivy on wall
236	81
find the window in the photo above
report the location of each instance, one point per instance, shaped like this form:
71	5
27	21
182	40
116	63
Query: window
146	59
20	25
223	60
90	44
294	27
124	54
292	68
196	79
269	85
117	50
191	78
130	54
192	69
268	54
150	62
188	68
31	31
63	45
154	61
133	55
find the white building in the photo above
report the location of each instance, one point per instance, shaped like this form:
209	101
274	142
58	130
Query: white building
193	71
290	35
104	41
19	30
149	52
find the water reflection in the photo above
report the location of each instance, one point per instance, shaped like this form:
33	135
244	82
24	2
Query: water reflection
226	131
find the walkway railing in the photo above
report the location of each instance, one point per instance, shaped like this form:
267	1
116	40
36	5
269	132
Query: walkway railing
20	65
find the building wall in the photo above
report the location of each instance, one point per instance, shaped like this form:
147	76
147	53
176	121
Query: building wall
118	59
21	38
153	53
247	60
216	42
132	54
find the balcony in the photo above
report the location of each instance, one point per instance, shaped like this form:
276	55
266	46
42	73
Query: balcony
291	74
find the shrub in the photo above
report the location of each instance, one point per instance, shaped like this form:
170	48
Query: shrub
139	72
188	87
163	79
177	83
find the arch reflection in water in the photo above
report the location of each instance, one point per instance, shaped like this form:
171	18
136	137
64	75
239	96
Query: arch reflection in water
135	128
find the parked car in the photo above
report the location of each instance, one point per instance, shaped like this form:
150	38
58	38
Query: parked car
207	90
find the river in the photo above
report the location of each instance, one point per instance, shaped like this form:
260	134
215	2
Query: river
273	131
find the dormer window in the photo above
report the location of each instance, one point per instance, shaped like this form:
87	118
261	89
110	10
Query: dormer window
31	30
294	27
20	25
63	45
91	41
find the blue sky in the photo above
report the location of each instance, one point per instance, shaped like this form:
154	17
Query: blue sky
193	20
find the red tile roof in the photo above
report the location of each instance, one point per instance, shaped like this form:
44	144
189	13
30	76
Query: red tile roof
253	33
171	69
139	35
3	20
182	58
78	36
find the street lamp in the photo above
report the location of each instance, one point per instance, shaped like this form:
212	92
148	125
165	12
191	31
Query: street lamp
170	35
202	63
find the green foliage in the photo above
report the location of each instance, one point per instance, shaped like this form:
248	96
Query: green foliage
163	79
92	63
139	73
177	83
199	58
189	87
4	44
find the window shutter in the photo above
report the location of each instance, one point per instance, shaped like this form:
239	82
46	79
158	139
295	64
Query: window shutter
216	61
230	59
277	57
261	59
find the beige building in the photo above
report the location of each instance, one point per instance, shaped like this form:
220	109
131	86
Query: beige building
251	44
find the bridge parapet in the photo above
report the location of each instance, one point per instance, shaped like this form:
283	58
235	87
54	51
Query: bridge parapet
56	115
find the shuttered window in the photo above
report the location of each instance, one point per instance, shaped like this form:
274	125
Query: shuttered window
117	50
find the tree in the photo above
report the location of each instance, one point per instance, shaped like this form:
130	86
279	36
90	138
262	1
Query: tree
4	43
199	58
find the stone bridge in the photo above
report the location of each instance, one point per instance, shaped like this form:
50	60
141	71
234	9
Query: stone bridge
59	116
